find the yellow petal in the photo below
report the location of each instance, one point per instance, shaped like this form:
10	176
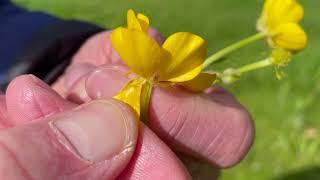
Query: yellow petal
188	52
138	23
138	50
276	12
187	76
132	21
144	22
201	82
290	37
131	93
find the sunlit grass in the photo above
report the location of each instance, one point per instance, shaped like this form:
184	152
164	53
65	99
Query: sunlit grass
286	112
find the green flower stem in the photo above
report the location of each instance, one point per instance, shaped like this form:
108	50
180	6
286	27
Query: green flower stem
231	75
254	66
145	101
222	53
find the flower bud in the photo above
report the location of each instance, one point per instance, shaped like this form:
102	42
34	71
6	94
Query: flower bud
230	75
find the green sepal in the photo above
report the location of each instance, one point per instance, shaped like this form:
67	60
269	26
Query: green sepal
146	93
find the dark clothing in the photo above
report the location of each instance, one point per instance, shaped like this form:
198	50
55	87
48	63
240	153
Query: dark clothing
37	43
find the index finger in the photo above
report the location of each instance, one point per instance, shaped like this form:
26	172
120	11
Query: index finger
213	125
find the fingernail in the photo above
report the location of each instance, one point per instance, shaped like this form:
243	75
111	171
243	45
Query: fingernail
75	72
97	131
106	82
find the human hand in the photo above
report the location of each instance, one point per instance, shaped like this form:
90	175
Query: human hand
43	136
211	126
226	132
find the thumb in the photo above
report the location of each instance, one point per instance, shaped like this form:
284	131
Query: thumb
93	141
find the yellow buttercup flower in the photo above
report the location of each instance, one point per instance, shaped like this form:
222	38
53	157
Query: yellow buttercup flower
179	60
280	21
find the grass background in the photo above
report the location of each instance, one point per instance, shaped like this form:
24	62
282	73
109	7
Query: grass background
286	112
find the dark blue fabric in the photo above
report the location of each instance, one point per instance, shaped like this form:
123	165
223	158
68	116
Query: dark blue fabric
4	2
17	27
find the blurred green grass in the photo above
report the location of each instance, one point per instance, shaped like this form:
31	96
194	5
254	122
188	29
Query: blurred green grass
286	112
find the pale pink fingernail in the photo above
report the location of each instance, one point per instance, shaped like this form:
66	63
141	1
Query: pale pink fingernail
106	82
75	72
97	131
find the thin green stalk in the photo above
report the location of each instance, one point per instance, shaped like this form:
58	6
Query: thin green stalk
222	53
254	66
231	75
145	101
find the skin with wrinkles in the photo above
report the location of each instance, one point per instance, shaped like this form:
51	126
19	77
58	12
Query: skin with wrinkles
212	126
191	123
108	76
32	150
